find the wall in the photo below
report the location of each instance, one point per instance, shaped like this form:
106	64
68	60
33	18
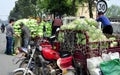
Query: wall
84	11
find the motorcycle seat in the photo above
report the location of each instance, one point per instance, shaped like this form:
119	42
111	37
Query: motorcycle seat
64	54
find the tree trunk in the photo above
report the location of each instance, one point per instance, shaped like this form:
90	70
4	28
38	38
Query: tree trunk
90	8
73	7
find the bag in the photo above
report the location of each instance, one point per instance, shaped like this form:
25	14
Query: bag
111	67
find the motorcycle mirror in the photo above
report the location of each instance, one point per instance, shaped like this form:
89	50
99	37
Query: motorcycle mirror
40	48
57	29
53	36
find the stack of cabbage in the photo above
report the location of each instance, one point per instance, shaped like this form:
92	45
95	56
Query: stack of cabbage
35	28
88	25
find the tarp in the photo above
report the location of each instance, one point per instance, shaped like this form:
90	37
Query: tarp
111	67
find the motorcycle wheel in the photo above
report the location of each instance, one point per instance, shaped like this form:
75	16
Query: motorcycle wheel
43	71
34	67
24	63
21	72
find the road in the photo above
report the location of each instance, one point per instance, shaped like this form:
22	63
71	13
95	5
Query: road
6	64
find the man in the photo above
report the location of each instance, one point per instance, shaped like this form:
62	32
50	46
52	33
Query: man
25	35
57	22
9	37
106	25
2	28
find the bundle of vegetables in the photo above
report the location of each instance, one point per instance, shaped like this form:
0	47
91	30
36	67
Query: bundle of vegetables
31	23
36	30
47	26
114	43
90	27
87	25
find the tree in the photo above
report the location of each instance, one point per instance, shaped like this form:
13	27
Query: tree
23	9
41	6
113	12
60	7
56	7
90	8
34	8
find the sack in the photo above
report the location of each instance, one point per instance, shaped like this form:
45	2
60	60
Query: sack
94	62
114	55
110	56
111	67
95	71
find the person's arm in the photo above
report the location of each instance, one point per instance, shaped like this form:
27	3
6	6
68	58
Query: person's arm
61	22
52	23
23	31
98	19
12	30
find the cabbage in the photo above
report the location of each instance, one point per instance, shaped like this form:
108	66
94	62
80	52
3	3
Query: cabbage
35	28
88	25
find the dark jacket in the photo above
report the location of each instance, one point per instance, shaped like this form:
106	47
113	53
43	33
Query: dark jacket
25	32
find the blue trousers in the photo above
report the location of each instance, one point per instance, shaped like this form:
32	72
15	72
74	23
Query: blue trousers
25	42
9	45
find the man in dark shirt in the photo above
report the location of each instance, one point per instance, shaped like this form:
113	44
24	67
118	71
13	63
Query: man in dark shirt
107	28
25	35
9	37
57	22
2	28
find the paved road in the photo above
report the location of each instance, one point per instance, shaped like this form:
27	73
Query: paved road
6	64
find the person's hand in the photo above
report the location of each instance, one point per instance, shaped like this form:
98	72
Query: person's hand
16	35
97	16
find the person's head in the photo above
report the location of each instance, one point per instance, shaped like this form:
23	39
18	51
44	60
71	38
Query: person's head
11	21
100	13
21	24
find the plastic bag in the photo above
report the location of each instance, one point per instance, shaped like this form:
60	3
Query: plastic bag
110	56
111	67
94	62
114	55
105	57
95	71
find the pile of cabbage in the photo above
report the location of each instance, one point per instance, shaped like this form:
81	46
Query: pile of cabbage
87	25
35	28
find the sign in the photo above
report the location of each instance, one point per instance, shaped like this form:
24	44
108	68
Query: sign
101	6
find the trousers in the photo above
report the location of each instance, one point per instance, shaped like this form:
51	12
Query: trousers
9	45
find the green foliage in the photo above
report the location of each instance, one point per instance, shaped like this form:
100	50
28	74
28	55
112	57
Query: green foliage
22	9
60	7
35	8
87	25
113	11
36	29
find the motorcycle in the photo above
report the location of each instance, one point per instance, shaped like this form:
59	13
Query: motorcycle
47	61
27	64
21	55
26	70
61	62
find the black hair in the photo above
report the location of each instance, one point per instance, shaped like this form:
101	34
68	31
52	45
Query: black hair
21	24
11	20
100	13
